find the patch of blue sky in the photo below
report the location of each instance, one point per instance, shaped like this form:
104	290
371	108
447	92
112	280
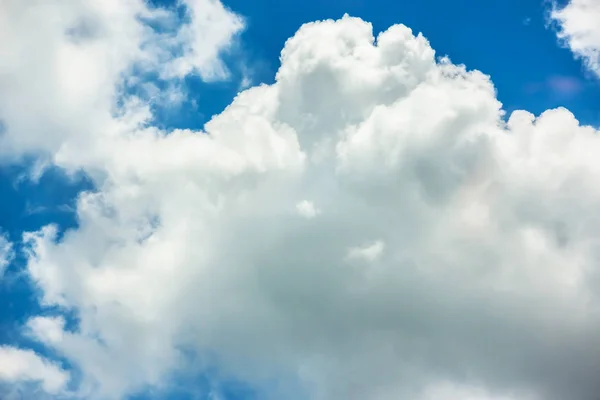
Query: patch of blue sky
26	206
511	41
210	385
199	387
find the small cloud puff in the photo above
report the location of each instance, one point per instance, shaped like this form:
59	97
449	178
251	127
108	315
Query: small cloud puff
307	209
368	252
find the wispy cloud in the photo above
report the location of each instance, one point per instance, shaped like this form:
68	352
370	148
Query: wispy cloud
565	85
557	85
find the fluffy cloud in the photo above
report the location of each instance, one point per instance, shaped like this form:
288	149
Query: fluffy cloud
307	209
454	254
210	29
580	30
64	66
18	366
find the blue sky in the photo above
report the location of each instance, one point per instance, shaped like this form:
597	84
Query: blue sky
512	41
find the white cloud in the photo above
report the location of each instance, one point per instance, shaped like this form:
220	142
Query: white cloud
307	209
487	279
369	252
6	253
47	329
19	366
64	65
580	30
209	31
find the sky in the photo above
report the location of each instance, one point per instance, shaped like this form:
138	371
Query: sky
350	199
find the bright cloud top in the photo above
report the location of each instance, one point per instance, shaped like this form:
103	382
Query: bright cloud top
580	29
369	226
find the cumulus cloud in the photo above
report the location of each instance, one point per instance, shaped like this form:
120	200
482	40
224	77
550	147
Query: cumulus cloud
456	255
580	30
18	366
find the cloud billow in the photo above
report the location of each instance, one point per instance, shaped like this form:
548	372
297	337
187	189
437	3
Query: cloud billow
370	226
